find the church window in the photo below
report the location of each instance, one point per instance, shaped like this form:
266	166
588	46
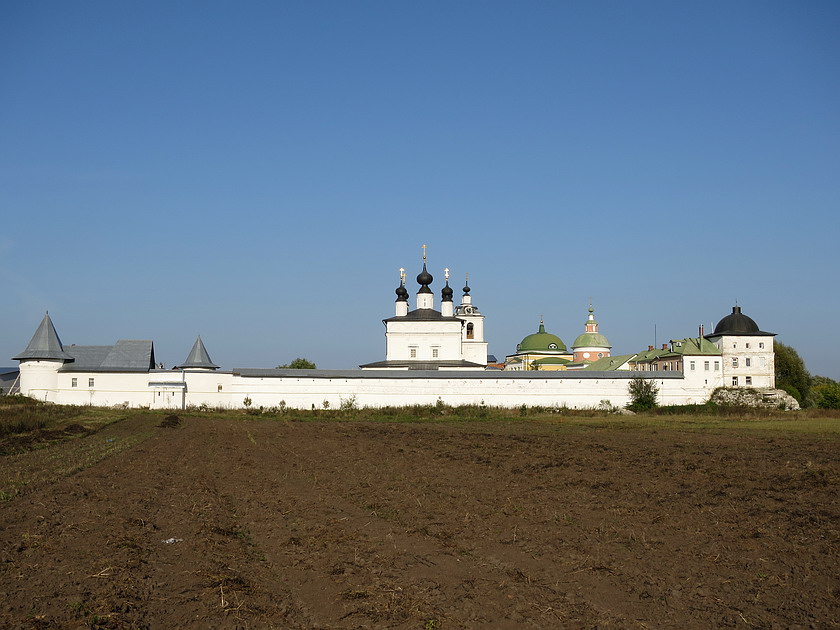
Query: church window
747	362
470	331
552	346
734	381
435	353
706	366
747	345
90	382
691	364
74	382
412	353
734	362
717	365
748	380
600	355
761	344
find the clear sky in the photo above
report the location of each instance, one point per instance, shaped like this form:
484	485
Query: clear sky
257	172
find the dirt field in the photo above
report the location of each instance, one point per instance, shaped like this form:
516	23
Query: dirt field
252	523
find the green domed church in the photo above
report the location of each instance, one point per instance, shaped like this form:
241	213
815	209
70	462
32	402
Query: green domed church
539	351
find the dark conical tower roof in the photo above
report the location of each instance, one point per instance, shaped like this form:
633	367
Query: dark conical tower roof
44	344
198	357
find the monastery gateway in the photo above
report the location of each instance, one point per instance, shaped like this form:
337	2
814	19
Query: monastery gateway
431	355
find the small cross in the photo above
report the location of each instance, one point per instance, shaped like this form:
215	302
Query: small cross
446	272
424	253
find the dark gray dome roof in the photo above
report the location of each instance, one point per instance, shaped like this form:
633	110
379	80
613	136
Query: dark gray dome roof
736	323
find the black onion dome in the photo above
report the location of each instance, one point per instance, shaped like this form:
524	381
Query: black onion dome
446	293
466	289
736	323
402	293
424	279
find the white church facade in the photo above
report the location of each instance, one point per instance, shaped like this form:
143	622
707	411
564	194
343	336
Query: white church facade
430	356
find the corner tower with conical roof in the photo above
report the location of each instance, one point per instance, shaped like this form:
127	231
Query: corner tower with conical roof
591	345
40	362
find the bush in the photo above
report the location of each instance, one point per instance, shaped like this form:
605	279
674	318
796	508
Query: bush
643	393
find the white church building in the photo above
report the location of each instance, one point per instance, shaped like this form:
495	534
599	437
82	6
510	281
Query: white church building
430	355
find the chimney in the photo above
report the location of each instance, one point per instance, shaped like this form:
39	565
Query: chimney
664	346
702	330
650	348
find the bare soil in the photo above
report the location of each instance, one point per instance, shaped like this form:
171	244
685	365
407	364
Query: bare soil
213	522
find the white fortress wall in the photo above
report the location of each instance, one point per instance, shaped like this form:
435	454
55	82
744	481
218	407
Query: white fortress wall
301	389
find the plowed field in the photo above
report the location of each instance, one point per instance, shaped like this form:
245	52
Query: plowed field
251	523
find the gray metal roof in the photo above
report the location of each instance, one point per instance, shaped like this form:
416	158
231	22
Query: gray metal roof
9	370
454	374
44	344
127	355
198	357
423	365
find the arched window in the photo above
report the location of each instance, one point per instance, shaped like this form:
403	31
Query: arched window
470	331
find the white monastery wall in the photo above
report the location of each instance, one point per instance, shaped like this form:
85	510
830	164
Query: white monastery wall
177	389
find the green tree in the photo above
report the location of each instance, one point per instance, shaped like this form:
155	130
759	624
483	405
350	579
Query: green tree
791	374
825	392
299	364
643	394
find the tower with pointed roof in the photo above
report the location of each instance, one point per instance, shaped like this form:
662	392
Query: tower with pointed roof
590	345
40	362
198	358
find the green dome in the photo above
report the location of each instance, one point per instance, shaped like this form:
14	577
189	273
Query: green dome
542	342
591	340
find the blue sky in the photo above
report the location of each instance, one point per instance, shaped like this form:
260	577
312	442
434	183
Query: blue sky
258	172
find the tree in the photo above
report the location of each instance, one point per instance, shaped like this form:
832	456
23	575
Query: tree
643	394
791	374
298	364
825	392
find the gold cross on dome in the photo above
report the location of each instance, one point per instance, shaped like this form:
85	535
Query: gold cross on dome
446	273
424	253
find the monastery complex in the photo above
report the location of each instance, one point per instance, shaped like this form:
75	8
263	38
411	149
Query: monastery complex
430	355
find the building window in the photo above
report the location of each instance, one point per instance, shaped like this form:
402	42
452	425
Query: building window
90	382
412	352
717	366
762	362
74	382
734	345
734	362
748	380
761	344
691	364
706	366
747	362
600	355
435	353
734	381
470	330
748	345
